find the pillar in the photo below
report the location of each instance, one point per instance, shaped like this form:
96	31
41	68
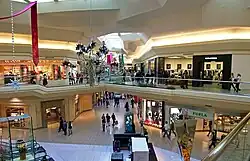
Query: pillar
167	112
144	104
69	105
35	111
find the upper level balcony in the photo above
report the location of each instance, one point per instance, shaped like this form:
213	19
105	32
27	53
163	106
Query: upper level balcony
190	92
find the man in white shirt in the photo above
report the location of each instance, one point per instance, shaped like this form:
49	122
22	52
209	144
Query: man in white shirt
166	129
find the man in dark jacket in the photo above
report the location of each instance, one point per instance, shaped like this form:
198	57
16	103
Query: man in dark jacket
60	125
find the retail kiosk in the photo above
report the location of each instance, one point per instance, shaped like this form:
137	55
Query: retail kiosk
140	151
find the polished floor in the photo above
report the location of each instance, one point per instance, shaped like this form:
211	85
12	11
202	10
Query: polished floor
87	131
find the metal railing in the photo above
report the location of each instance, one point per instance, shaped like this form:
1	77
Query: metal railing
227	87
232	147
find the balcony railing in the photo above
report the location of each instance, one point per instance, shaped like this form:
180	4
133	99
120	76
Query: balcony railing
215	86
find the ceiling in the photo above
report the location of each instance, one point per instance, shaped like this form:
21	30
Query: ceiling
73	20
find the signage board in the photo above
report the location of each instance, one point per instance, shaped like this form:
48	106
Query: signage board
201	114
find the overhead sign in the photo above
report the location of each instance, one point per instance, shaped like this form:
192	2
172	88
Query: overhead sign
200	114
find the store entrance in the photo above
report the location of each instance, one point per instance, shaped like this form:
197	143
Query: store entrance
212	68
52	111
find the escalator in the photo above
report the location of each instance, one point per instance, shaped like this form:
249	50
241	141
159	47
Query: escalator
235	146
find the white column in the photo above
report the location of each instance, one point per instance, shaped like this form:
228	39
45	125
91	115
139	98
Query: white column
144	104
167	112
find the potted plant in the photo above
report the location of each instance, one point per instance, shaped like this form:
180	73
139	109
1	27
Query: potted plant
22	151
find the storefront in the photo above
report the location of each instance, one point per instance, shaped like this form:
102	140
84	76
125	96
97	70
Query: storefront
23	69
14	107
52	111
212	67
225	123
153	113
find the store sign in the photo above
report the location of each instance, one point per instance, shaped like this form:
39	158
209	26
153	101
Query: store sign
200	114
210	58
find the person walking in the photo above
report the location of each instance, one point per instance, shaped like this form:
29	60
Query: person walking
60	125
113	119
108	119
45	80
70	126
232	82
166	129
213	140
237	82
127	107
210	124
132	102
103	122
107	103
172	129
65	127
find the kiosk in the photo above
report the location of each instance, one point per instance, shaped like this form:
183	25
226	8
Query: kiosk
140	151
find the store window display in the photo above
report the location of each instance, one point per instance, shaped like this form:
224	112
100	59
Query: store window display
16	112
154	113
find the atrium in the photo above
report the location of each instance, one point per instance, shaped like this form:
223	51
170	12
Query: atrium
124	80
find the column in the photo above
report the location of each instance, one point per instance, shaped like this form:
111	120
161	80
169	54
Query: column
156	70
167	112
144	101
69	106
161	68
34	110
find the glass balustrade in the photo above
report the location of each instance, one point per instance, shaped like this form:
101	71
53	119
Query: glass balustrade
226	87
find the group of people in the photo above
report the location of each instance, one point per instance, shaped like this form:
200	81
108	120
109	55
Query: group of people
41	80
65	126
106	121
75	78
168	129
235	82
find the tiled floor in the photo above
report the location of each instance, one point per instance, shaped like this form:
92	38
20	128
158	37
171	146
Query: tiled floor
87	131
80	152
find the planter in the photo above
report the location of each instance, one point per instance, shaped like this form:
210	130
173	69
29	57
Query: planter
23	156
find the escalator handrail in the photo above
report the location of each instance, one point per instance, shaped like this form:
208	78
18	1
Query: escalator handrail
219	149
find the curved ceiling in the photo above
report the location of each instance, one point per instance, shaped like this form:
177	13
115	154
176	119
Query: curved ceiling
73	20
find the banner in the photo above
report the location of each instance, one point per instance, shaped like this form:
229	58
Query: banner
185	131
26	8
34	31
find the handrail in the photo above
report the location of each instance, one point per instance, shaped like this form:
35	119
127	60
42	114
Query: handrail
181	79
219	149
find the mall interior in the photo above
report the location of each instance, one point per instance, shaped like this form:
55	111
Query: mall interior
109	80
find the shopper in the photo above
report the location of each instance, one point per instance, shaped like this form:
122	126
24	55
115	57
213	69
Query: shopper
132	102
237	83
108	119
213	140
172	129
103	122
70	126
107	103
127	107
65	127
232	82
166	129
113	119
45	80
210	124
60	125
